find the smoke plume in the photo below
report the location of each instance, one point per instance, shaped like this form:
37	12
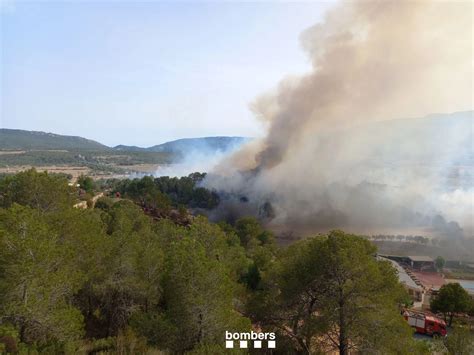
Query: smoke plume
338	153
198	154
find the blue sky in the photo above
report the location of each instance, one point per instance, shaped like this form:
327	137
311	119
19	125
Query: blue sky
146	72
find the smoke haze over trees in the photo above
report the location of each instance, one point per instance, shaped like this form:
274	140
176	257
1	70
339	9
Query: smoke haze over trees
341	137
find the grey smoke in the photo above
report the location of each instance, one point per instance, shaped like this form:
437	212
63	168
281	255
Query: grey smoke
338	155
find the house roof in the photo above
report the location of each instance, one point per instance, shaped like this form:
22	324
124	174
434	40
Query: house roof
403	277
420	258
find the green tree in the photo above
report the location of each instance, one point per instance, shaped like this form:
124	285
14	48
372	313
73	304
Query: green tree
38	278
104	203
329	293
39	190
198	296
259	245
146	193
460	341
451	300
253	277
171	191
440	263
130	280
219	246
86	183
247	229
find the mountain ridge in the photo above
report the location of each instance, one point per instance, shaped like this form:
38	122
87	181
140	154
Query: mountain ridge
412	129
18	139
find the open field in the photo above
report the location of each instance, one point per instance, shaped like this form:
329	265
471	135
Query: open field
12	152
121	172
459	274
74	171
98	164
141	168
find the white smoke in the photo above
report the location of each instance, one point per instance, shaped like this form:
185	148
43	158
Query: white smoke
200	157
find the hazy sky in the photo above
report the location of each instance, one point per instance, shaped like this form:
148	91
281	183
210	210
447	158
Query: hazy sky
146	72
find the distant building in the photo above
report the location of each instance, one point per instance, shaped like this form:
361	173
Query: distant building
420	262
415	262
415	290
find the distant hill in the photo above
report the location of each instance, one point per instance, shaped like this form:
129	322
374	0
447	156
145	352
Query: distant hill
191	145
205	144
129	148
436	137
16	139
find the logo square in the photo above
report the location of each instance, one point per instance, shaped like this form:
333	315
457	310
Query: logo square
243	344
229	344
271	344
257	344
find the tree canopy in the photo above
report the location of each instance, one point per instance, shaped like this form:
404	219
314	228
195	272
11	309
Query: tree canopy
451	300
168	191
439	261
114	278
342	299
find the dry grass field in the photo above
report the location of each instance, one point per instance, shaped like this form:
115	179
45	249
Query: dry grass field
75	171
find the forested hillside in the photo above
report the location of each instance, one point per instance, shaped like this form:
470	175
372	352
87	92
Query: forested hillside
205	144
17	139
115	279
187	145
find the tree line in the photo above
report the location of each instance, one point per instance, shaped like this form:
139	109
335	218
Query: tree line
166	192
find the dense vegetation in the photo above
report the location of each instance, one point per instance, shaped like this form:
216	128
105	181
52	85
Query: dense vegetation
17	139
162	193
112	279
451	300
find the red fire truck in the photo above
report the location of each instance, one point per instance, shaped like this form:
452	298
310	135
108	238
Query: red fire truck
425	323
